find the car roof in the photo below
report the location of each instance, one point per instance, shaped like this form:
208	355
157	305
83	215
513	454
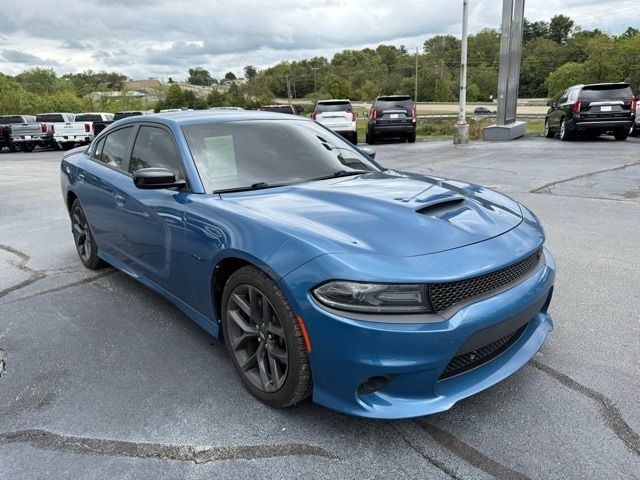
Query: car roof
604	84
335	100
192	117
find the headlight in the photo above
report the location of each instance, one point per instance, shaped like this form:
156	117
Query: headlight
373	297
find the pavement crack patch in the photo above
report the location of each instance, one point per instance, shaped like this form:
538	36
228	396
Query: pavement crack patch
63	287
185	453
23	258
611	414
433	461
469	454
547	187
3	362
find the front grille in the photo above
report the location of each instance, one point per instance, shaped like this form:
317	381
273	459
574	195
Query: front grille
444	295
477	357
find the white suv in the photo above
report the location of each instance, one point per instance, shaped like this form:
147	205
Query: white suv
338	115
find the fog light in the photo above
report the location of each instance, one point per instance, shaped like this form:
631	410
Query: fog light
372	384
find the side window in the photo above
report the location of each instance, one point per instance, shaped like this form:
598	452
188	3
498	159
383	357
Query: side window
564	97
573	95
97	150
115	147
154	148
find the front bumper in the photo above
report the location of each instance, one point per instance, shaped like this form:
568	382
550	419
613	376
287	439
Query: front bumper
347	352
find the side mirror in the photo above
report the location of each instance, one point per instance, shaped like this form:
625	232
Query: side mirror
148	178
551	104
369	151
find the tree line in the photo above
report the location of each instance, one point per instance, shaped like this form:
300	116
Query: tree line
555	54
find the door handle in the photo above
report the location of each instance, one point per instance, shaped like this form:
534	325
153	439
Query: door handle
119	200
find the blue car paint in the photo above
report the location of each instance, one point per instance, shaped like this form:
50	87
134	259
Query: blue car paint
362	228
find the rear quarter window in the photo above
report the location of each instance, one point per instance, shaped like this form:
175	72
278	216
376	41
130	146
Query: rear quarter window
115	147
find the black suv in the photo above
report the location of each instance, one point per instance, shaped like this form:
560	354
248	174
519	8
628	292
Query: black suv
592	110
392	116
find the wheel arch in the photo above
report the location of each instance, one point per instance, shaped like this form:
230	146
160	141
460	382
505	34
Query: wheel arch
71	196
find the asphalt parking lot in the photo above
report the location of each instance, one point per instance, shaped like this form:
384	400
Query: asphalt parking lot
101	378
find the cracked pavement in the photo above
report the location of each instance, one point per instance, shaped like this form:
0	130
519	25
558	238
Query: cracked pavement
100	377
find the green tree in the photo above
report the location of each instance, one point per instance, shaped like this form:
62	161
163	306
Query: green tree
199	76
174	97
250	72
533	30
230	76
560	28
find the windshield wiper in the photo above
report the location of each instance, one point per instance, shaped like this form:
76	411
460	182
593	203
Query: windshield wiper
340	173
253	186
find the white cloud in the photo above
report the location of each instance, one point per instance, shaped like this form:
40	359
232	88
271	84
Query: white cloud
165	37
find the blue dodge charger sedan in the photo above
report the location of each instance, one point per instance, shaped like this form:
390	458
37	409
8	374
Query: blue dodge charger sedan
379	293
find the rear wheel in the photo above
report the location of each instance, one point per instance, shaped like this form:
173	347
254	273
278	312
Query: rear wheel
621	134
634	130
411	138
371	138
354	138
28	147
83	238
564	134
67	145
264	340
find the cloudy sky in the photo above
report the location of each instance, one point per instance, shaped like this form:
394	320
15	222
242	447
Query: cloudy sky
165	37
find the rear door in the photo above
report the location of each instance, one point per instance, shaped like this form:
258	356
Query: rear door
95	182
152	221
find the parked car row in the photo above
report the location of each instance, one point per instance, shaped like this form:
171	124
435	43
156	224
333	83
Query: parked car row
58	130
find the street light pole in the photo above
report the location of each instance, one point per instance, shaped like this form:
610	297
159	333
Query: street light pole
415	94
461	133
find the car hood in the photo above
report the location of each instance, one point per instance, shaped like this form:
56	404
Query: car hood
386	213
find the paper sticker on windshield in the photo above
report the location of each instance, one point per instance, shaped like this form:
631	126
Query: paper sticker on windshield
221	159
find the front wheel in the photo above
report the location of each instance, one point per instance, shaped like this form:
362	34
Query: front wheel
264	339
547	131
83	238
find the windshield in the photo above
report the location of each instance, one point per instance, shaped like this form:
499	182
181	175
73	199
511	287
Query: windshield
390	103
277	108
9	120
50	118
89	117
120	115
333	107
606	92
262	153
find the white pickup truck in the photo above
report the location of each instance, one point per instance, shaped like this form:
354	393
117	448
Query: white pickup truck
56	130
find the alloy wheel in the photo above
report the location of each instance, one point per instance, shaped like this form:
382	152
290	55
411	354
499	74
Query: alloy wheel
257	339
81	233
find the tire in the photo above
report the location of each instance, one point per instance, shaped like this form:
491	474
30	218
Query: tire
564	134
28	147
67	145
371	139
274	335
354	138
12	147
83	238
634	130
621	135
548	133
411	138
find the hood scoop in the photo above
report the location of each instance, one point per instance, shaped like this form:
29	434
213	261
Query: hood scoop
439	206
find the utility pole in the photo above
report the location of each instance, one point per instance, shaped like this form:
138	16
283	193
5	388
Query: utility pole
288	89
315	80
461	133
415	93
